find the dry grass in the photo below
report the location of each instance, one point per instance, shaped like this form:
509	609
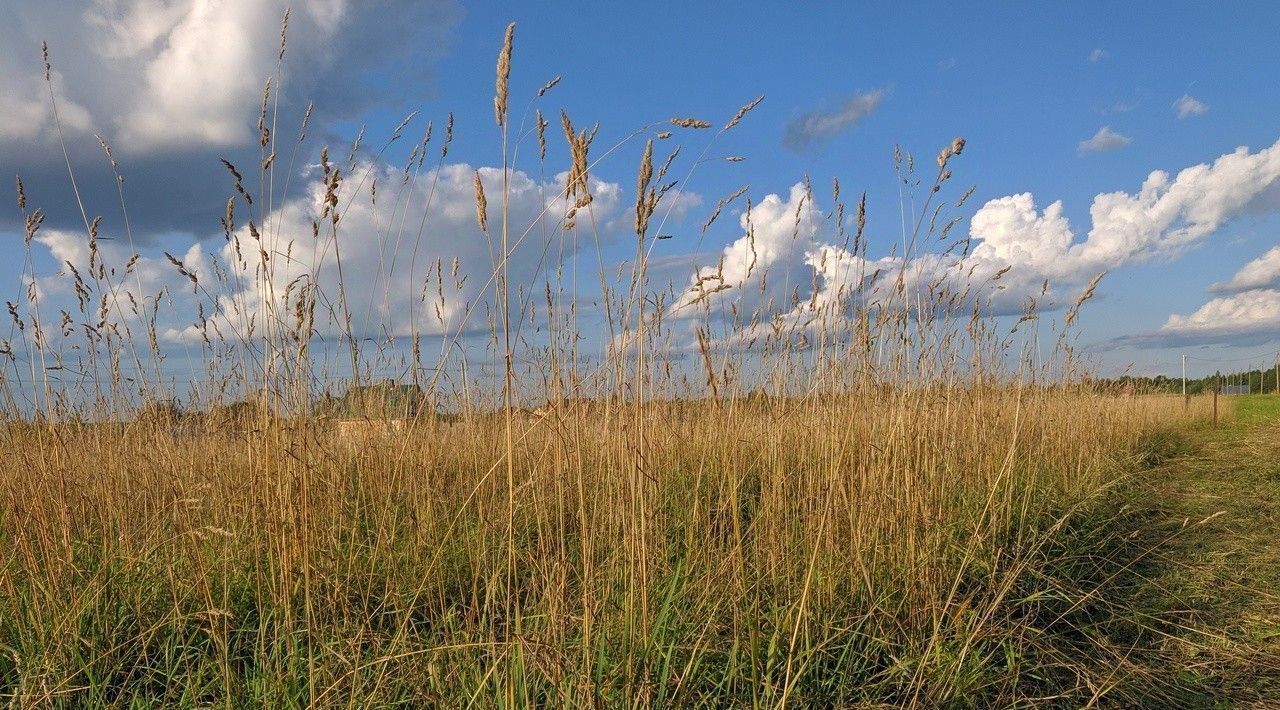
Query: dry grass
835	550
661	533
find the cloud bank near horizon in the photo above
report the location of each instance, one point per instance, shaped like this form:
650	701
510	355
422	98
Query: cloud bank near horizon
1245	311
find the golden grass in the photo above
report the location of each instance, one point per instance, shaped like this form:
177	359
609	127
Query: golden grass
764	533
871	532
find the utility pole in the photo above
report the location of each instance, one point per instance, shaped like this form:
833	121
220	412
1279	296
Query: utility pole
1184	379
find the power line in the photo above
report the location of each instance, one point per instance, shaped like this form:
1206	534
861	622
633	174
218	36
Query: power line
1271	355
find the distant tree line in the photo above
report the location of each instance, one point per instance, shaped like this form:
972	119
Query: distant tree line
1258	382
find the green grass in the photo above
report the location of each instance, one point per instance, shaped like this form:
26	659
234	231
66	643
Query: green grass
1256	408
1187	603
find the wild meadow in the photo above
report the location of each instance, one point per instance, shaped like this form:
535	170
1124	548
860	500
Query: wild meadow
883	495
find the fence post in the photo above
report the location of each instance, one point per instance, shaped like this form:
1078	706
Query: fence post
1216	387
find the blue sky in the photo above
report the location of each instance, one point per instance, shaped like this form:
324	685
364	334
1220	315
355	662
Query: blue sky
1025	84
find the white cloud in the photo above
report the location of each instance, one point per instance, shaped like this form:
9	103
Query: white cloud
1167	215
152	75
200	85
783	275
26	114
776	235
785	266
1188	106
127	29
131	295
1009	230
1263	272
1241	319
1104	139
173	85
1098	55
1248	312
396	282
815	126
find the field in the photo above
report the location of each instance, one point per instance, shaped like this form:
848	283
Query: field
896	548
890	498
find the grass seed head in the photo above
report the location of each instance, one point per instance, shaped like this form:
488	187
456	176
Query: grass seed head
504	76
482	205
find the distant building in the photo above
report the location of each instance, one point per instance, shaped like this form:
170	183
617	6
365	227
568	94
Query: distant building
369	413
1237	389
381	400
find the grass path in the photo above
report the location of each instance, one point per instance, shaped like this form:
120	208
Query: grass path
1204	604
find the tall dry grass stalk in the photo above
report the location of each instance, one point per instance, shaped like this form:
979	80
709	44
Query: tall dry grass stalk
853	508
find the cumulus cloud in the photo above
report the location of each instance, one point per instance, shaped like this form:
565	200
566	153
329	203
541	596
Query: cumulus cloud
173	85
781	261
398	283
1247	313
817	126
1105	139
776	233
788	282
781	273
1167	215
413	258
1263	272
197	86
1248	318
26	113
1188	106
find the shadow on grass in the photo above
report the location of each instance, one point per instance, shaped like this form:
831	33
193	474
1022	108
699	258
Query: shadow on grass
1155	596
